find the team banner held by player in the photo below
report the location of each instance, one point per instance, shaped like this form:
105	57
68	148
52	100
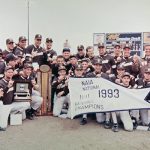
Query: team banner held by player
89	95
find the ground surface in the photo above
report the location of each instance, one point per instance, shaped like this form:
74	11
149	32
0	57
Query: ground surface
49	133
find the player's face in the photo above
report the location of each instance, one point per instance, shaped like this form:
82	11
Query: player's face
147	51
126	52
10	46
49	45
62	72
90	52
78	72
60	61
98	67
81	52
101	50
66	55
147	76
18	61
12	63
117	50
126	80
27	71
73	61
84	65
9	74
120	72
38	42
23	43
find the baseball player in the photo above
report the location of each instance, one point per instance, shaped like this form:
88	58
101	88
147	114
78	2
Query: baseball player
62	93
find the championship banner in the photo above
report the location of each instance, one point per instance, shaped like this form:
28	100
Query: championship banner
89	95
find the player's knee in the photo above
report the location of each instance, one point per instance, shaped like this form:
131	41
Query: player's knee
56	113
128	127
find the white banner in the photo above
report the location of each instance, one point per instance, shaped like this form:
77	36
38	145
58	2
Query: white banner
89	95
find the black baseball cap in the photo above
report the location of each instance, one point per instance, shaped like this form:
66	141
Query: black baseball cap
66	50
20	56
127	46
97	62
85	60
101	45
120	67
80	47
117	45
22	38
8	41
78	67
126	74
10	57
73	56
62	68
27	65
49	40
38	36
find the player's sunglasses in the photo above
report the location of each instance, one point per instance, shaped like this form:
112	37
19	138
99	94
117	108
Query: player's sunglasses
11	43
38	39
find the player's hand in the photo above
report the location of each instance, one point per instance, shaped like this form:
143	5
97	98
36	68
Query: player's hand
21	73
34	54
60	78
10	83
132	77
98	75
33	82
108	71
136	59
49	59
117	81
60	94
15	72
1	92
67	81
118	59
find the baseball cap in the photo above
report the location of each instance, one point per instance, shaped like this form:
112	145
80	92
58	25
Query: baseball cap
49	40
9	41
38	36
22	38
97	61
80	47
127	46
62	68
10	57
27	65
120	67
20	56
73	56
126	74
85	60
101	45
66	50
146	44
116	45
78	67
